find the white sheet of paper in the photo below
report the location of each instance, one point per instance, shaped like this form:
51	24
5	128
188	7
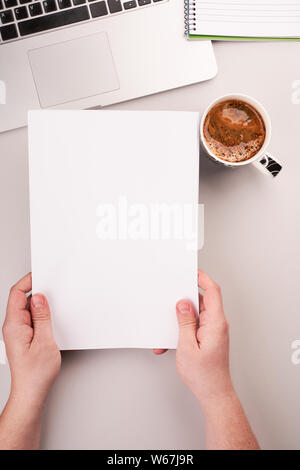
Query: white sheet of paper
111	276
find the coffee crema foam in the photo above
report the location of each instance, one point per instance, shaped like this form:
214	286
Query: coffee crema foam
234	130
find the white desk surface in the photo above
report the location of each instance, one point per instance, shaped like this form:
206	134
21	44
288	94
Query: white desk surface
130	399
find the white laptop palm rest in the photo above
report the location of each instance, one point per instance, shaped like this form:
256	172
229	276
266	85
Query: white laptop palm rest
86	53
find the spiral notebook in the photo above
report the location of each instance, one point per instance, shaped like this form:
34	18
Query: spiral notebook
243	19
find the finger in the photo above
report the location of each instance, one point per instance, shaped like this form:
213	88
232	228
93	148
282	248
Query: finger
212	298
204	281
187	322
41	318
17	300
159	351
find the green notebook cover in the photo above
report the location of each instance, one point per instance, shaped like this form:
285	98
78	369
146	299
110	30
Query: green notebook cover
235	38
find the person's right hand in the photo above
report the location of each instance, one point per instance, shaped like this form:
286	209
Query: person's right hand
202	360
202	356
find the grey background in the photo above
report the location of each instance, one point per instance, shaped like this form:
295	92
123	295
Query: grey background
130	398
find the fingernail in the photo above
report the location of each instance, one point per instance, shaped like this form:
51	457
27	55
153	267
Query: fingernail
38	301
183	307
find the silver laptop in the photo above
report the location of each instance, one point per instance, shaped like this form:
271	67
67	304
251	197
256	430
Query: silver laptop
87	53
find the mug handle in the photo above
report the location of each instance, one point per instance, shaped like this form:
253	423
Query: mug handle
267	164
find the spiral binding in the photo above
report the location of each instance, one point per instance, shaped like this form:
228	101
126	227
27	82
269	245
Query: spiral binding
189	16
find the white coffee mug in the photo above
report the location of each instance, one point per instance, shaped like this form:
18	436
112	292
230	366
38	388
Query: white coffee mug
262	159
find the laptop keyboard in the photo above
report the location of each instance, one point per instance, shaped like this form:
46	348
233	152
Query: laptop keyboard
21	18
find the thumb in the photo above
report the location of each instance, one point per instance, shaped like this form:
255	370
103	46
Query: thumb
187	322
41	317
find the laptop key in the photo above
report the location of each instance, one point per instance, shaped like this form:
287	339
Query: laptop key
98	9
10	3
49	6
114	6
21	13
144	2
8	32
35	9
24	1
1	5
128	5
78	2
6	16
64	4
56	20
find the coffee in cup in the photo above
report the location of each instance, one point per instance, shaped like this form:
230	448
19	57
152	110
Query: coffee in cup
234	130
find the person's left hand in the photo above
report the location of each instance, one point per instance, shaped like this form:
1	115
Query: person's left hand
32	353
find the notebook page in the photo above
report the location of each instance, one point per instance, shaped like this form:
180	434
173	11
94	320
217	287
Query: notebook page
253	18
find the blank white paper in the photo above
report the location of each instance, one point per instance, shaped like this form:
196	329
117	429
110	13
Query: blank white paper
110	283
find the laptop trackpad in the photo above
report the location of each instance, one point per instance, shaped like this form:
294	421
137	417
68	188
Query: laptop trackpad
72	70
